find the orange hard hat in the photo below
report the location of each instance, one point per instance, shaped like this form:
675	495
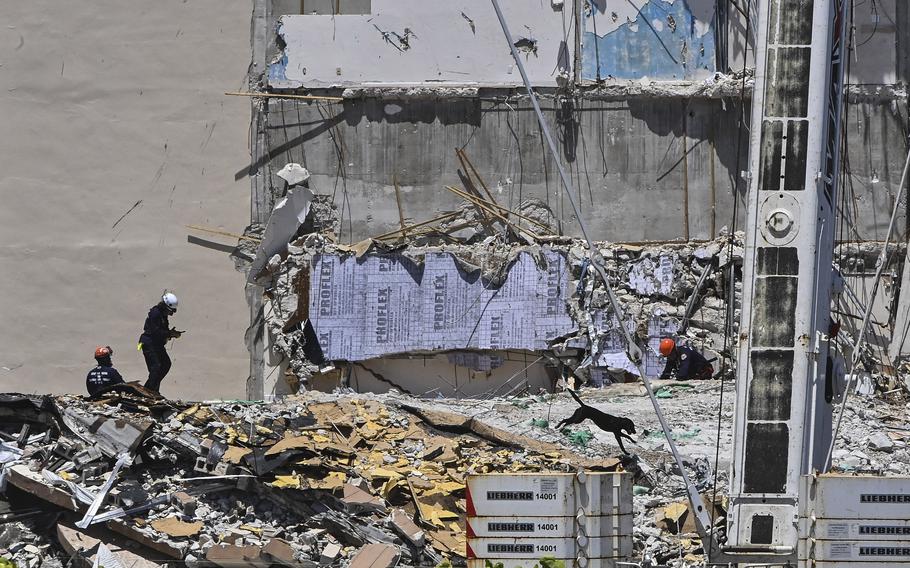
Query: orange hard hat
103	351
667	346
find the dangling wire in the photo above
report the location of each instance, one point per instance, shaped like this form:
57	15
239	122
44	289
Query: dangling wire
730	296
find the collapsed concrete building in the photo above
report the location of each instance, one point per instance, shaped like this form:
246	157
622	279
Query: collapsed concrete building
430	204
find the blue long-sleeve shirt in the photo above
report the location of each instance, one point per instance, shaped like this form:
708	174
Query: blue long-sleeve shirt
102	377
156	331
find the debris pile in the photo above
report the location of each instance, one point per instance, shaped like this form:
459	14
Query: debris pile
664	530
312	480
348	479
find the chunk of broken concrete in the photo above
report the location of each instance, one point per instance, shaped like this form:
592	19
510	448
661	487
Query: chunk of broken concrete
356	500
881	442
230	556
172	526
329	553
294	174
375	556
405	526
279	552
183	501
83	548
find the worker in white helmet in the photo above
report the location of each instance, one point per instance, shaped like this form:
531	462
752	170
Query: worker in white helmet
155	335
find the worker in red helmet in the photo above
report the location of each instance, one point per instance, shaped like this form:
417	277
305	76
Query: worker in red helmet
684	363
104	374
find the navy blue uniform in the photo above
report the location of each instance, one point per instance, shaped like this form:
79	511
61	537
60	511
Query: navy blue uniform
687	364
154	336
156	331
102	377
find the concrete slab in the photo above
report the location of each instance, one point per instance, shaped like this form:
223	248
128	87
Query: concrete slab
83	547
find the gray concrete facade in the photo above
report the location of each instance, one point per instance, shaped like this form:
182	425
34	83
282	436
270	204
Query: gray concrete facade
647	169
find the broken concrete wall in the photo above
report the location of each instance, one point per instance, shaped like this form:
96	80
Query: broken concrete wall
394	43
646	169
876	148
657	39
414	42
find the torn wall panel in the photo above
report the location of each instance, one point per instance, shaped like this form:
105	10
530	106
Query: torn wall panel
385	304
414	42
652	276
611	352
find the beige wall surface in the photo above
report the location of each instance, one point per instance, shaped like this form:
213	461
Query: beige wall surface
111	106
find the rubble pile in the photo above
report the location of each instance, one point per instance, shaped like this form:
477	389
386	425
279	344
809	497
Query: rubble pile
874	438
352	480
345	479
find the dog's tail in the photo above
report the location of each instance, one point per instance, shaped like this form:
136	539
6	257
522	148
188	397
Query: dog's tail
575	396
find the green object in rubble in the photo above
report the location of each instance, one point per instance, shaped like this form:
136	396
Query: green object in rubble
539	423
664	392
6	563
686	435
578	437
640	490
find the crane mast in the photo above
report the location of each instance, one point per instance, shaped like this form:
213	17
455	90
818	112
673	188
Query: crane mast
783	392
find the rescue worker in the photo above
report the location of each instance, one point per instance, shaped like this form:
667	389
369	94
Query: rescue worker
155	335
104	374
684	362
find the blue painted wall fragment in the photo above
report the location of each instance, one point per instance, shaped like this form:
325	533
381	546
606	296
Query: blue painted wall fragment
277	70
661	43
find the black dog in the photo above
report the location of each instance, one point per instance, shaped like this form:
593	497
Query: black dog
604	421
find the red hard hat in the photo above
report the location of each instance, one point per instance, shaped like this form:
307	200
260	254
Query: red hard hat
103	351
667	346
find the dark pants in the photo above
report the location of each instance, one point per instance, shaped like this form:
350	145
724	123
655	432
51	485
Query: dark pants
158	363
704	373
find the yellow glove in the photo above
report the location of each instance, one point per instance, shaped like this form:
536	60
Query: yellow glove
139	346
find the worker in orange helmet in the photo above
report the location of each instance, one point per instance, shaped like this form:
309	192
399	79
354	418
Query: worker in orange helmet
684	363
104	374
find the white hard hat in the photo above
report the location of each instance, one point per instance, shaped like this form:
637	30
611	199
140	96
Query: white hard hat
170	300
